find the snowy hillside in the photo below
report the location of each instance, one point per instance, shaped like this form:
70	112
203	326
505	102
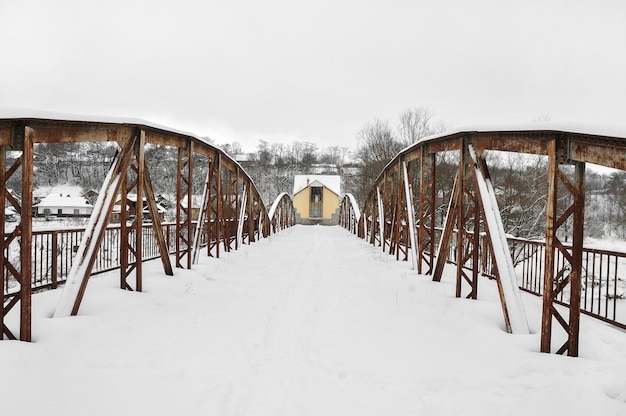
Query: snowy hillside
311	321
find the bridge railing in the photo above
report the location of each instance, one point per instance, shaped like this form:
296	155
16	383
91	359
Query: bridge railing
350	215
603	276
53	252
282	213
50	269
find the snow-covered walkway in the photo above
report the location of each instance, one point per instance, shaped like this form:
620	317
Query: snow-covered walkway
311	321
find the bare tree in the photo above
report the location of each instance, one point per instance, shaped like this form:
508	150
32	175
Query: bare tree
377	146
415	123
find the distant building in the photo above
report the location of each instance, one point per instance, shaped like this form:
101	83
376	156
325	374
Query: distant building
91	195
316	199
132	209
10	215
63	205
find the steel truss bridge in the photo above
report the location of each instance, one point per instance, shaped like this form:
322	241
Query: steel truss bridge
231	213
398	215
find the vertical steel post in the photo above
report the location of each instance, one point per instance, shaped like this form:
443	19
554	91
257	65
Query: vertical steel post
468	226
184	193
577	259
548	282
566	273
26	235
3	192
426	239
410	215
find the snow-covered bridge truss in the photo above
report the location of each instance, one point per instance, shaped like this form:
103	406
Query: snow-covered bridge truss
408	230
231	212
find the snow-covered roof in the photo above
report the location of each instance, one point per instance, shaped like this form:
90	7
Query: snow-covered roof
65	189
332	182
63	200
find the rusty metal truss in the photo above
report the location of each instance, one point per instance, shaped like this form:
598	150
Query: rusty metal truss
231	212
406	229
282	213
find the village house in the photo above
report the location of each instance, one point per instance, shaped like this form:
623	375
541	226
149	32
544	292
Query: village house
316	199
63	205
132	209
91	195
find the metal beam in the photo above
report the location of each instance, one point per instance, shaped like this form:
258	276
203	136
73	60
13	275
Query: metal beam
468	229
410	215
443	249
560	275
426	239
604	155
184	193
510	297
78	276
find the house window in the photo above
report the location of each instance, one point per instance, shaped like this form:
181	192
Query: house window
60	211
316	194
46	211
76	211
316	202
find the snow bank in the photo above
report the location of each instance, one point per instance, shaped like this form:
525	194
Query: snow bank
313	321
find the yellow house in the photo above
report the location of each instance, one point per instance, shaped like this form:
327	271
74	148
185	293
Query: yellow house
316	199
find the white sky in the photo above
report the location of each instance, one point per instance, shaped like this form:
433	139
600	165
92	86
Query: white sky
284	70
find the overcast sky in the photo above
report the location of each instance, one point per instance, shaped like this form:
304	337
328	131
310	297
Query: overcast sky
284	70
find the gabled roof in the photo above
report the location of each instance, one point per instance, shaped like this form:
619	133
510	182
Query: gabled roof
332	182
57	200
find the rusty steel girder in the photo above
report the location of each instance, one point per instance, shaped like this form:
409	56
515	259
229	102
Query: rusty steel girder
18	269
184	206
282	214
562	277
